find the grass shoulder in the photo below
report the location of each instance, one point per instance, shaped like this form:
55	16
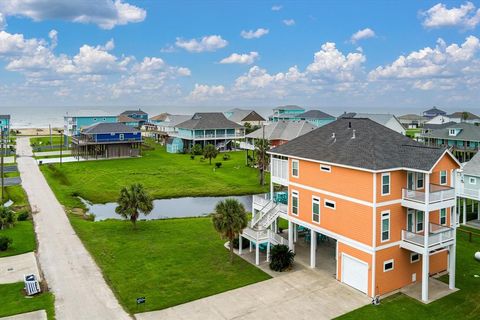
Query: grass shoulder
170	262
14	301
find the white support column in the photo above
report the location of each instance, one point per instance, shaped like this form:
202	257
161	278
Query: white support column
426	228
313	248
240	242
291	246
250	248
268	251
478	211
257	253
295	233
451	263
464	211
271	183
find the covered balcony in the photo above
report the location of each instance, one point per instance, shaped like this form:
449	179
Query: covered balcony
438	237
279	170
439	197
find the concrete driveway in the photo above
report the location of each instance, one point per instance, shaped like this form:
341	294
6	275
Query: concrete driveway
12	269
305	294
79	288
35	315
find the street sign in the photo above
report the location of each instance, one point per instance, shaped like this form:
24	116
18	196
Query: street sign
141	300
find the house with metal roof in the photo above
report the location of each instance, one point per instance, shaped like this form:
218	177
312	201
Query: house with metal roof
462	138
433	112
209	128
387	120
412	121
134	118
281	132
244	116
376	208
468	187
107	140
164	126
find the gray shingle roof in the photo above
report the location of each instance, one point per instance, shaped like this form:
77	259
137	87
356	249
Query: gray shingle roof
5	116
469	132
104	127
470	116
289	107
374	147
381	118
472	167
315	114
242	114
283	130
208	120
412	117
434	109
126	113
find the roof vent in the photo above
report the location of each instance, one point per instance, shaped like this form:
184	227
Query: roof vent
353	135
349	124
333	135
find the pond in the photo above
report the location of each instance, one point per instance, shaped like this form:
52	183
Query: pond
168	208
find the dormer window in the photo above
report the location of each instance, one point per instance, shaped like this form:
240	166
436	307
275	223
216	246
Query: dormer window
452	132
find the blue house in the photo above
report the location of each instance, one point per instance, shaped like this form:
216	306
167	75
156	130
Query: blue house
174	145
133	118
433	112
289	112
5	125
73	123
107	140
316	117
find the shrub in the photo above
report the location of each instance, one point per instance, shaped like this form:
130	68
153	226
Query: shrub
281	258
7	217
23	215
245	243
226	157
197	150
5	242
192	157
218	165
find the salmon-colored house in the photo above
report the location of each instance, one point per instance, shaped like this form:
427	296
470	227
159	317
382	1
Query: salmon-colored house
387	201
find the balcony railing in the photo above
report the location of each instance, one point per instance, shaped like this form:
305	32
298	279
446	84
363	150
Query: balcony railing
472	193
438	235
438	193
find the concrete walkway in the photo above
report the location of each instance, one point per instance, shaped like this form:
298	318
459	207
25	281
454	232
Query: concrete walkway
305	294
12	269
35	315
79	288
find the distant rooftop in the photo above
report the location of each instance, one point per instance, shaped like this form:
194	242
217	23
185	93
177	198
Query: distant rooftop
90	113
468	132
139	111
239	115
289	107
412	117
315	114
464	115
283	130
114	127
209	120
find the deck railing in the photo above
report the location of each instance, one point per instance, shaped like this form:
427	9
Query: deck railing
438	193
437	235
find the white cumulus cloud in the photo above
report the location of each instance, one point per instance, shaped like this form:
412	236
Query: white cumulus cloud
254	34
465	16
277	7
246	58
105	13
289	22
202	92
362	34
3	22
206	43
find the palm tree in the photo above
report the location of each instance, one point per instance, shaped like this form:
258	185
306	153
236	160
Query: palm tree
262	158
133	201
464	116
210	152
7	217
229	219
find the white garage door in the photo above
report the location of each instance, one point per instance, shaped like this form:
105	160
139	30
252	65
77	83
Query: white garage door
355	273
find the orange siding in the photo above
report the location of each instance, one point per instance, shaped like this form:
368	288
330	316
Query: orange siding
348	219
438	262
398	181
447	164
398	221
366	257
348	182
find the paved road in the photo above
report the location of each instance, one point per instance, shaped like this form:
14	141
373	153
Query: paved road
79	288
305	294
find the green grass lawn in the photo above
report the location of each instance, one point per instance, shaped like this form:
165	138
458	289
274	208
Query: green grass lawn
17	195
168	261
23	237
163	174
463	304
45	140
411	132
13	301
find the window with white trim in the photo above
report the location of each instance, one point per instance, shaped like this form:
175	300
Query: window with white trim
385	226
443	177
388	265
295	168
414	257
295	202
316	209
325	168
330	204
420	178
385	184
472	180
443	216
419	221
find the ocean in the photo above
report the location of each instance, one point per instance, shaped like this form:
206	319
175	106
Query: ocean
42	116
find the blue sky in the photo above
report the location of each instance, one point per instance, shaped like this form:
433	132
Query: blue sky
381	54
